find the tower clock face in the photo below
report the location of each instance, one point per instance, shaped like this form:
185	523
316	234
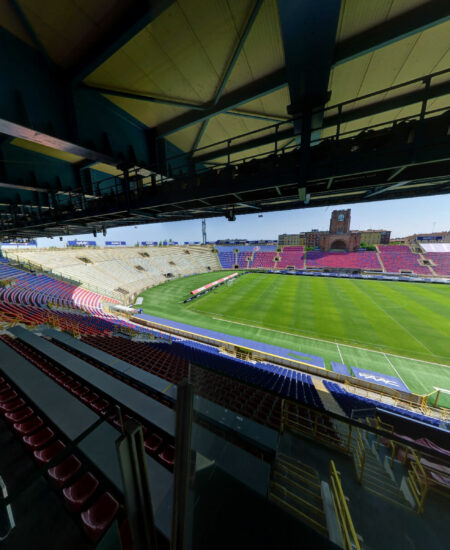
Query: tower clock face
341	218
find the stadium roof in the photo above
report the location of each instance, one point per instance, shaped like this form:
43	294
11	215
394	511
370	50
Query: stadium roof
132	95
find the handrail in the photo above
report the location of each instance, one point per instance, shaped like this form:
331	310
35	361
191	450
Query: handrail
359	456
350	539
418	482
310	426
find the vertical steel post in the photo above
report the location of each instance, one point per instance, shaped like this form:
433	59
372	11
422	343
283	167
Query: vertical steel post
183	429
132	459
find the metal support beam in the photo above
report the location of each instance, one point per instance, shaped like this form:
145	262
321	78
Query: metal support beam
416	20
199	135
138	500
396	102
18	131
183	454
229	69
263	86
308	30
126	94
237	51
132	21
384	189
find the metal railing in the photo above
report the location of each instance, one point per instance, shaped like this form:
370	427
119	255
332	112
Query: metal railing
111	188
417	480
314	424
359	456
350	539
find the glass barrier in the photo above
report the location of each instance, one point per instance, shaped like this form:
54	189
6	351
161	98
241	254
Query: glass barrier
247	468
270	472
59	493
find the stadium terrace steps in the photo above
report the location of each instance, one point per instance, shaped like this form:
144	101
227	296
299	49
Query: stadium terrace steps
296	488
386	258
343	260
399	258
291	256
441	262
328	400
376	479
127	268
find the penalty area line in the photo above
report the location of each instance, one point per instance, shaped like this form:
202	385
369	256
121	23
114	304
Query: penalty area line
394	369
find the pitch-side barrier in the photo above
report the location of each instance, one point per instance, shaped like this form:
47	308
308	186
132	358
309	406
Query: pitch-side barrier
375	391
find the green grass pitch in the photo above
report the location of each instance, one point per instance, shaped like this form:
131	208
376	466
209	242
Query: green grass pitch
396	328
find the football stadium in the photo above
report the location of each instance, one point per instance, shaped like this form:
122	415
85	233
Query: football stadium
271	393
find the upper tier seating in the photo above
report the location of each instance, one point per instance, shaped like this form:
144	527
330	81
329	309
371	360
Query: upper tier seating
227	259
38	289
348	260
441	261
398	258
291	256
242	259
263	260
129	269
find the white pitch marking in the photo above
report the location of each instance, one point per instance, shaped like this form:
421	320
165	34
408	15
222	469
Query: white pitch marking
394	369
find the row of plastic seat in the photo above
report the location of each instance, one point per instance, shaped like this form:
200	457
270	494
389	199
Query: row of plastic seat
92	397
350	401
80	489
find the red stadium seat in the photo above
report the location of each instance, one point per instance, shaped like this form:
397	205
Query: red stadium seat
48	453
19	415
168	456
100	405
78	494
12	406
29	427
64	471
4	387
39	439
90	397
153	443
99	516
80	392
8	396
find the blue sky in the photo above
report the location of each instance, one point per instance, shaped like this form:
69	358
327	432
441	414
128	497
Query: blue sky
403	217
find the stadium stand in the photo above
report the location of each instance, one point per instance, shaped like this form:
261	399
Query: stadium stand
263	259
347	260
242	262
399	258
122	271
227	258
395	259
440	262
291	256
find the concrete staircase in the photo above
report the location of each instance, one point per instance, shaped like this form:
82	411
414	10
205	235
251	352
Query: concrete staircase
250	259
296	488
329	402
380	481
379	259
430	267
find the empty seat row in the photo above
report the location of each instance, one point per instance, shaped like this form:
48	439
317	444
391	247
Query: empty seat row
80	491
102	405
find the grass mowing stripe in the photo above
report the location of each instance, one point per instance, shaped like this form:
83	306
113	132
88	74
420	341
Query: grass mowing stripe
331	318
399	324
